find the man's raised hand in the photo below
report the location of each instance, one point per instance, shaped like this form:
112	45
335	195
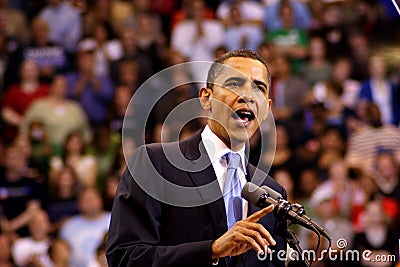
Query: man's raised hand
244	235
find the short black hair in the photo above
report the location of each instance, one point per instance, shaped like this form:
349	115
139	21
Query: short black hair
216	68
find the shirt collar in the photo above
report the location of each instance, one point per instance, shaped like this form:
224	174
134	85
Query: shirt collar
216	149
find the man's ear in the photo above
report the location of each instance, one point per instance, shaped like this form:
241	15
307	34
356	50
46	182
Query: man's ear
269	105
204	95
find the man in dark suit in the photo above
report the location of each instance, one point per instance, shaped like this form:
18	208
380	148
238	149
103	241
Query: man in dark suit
169	209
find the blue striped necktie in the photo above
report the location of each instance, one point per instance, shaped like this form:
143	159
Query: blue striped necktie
232	190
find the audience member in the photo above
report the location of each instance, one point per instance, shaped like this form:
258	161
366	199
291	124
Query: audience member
323	203
330	94
22	195
60	253
185	11
33	250
3	59
5	251
101	260
371	139
318	67
94	92
267	52
142	7
243	23
110	188
360	52
346	193
182	90
147	25
289	40
85	232
149	39
32	170
49	57
288	93
132	52
11	57
65	23
74	155
301	15
309	180
104	148
332	149
376	236
333	31
120	103
341	75
120	161
387	175
59	115
284	157
316	8
63	195
106	47
113	13
283	177
13	22
380	90
127	74
18	98
41	150
197	36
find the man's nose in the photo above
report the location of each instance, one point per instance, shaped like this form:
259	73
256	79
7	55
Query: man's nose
246	95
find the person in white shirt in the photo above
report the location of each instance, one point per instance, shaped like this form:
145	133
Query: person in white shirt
243	21
197	37
32	250
84	232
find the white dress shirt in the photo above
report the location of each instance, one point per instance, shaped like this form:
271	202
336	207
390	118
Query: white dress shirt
216	149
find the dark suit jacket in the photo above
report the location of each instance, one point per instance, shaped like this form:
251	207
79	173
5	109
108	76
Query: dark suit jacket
366	94
145	231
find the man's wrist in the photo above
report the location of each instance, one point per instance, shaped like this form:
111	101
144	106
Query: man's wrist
214	256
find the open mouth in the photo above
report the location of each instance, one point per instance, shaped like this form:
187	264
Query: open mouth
243	115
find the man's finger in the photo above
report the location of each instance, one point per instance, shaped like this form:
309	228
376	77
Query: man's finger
255	217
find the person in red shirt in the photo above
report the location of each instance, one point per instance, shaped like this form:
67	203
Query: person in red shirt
18	98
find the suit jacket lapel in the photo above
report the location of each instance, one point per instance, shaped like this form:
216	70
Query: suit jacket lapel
206	182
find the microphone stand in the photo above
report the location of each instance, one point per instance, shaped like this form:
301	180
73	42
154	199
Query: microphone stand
294	244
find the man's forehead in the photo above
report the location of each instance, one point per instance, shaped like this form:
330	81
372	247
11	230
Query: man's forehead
246	68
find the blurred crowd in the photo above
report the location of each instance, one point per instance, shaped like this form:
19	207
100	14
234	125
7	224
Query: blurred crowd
68	70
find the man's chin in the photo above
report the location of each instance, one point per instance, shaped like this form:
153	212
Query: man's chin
240	137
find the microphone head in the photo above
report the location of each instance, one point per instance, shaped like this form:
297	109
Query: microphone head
271	192
252	193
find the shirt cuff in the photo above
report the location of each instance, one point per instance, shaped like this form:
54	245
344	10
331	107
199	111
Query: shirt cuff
215	262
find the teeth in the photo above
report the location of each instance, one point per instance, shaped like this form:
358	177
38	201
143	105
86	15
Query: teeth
244	112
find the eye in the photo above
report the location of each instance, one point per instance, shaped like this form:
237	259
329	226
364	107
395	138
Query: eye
259	87
233	84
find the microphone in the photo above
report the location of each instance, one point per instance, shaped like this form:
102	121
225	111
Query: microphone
264	196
